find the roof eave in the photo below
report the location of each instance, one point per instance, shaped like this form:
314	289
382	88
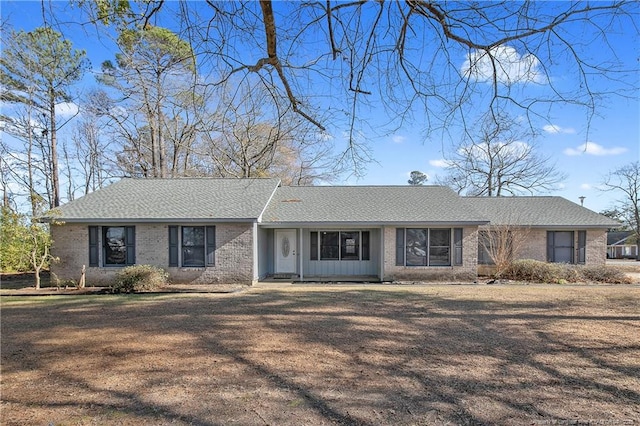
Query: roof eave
365	224
151	220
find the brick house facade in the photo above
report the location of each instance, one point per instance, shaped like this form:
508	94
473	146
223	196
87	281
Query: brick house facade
243	230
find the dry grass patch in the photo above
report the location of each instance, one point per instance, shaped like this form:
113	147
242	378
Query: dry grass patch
318	355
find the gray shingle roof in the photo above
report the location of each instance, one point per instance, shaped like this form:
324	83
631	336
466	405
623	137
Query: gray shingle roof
369	204
556	212
181	199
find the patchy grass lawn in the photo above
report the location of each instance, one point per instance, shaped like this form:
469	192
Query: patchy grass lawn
326	355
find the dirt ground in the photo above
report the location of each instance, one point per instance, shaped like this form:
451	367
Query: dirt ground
361	355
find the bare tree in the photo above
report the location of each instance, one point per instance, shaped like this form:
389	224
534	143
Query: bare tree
626	181
502	244
499	160
442	63
91	154
153	68
256	139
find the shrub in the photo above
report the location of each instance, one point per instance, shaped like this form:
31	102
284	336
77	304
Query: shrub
605	274
133	279
562	273
533	270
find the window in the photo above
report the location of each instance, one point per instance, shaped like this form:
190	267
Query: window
560	246
339	245
117	245
427	247
192	246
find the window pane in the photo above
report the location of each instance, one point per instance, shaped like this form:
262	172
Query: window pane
193	236
193	256
439	256
416	247
564	239
350	245
440	238
115	247
329	249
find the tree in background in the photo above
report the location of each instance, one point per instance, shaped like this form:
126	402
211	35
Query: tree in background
254	139
13	231
25	244
154	75
37	70
417	178
499	159
626	181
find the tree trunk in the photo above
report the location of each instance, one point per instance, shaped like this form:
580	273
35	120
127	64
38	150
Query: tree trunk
37	277
55	182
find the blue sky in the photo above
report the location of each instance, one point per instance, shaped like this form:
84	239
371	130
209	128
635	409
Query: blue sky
584	149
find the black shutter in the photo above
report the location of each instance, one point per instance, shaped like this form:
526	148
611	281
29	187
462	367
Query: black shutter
582	246
94	247
211	245
399	246
130	241
365	246
313	246
457	246
173	246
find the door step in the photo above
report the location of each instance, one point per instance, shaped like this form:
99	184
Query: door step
284	276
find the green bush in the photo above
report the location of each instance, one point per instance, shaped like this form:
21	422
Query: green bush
562	273
137	278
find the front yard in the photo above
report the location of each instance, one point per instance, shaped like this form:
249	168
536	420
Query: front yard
368	355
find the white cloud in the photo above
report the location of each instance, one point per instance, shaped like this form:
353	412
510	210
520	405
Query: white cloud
398	139
554	128
591	148
510	66
66	109
585	186
439	163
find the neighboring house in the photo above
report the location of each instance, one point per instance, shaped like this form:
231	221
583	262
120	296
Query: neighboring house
621	245
209	230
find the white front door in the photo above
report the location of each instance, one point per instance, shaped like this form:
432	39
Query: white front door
286	251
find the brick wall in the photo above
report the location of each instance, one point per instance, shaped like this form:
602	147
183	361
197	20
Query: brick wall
466	272
596	253
233	256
